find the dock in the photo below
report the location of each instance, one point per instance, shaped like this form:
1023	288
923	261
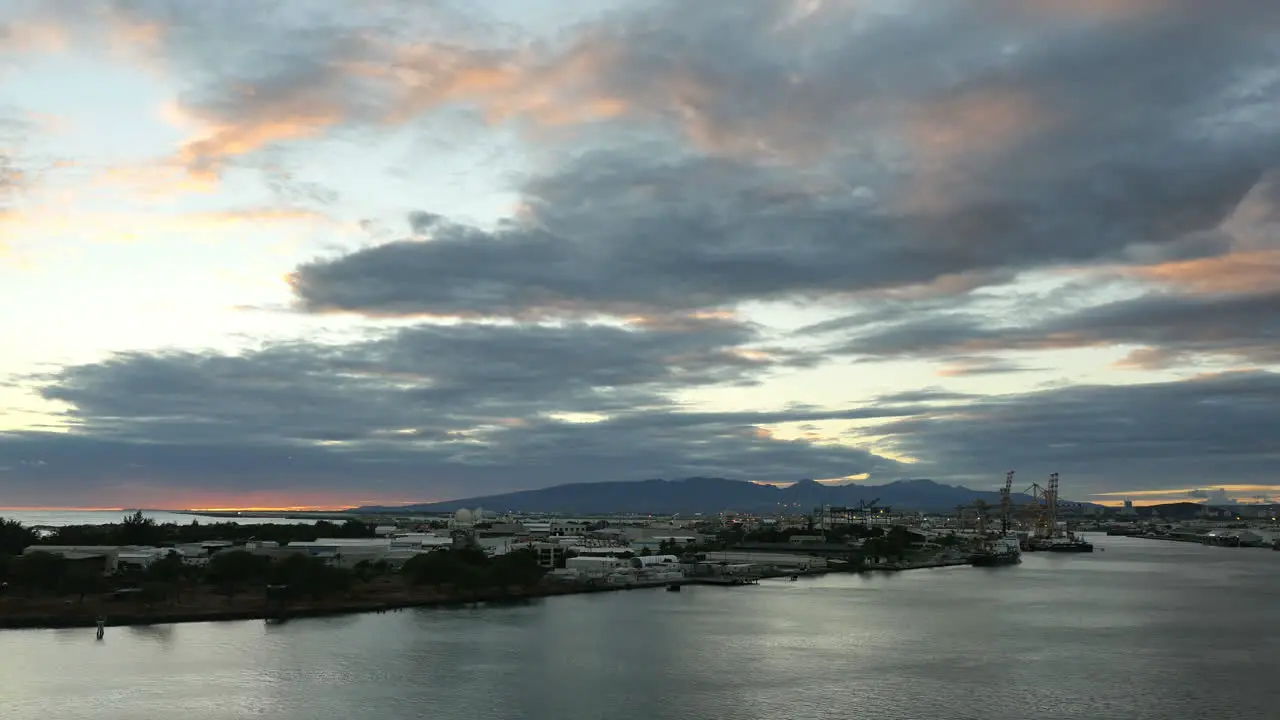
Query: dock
721	580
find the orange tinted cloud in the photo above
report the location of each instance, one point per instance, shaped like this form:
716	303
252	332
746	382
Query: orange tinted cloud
283	118
1150	358
1104	10
1241	272
154	182
942	134
556	91
32	37
138	42
404	82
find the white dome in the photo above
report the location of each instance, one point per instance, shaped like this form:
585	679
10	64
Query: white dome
462	516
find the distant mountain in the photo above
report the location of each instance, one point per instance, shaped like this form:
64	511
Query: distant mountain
711	495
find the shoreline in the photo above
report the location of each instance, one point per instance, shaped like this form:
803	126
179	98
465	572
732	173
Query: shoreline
77	615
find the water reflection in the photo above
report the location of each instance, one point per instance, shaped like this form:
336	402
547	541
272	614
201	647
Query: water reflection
157	634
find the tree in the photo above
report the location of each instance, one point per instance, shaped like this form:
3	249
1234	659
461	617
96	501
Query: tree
81	581
874	548
437	567
355	528
153	592
519	568
231	570
310	575
168	569
138	529
15	537
897	541
40	571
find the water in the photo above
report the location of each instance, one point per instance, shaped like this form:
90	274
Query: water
1143	630
59	518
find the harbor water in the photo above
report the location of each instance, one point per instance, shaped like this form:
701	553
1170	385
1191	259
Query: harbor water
1141	629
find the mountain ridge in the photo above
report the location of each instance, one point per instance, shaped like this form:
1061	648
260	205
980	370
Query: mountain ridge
711	495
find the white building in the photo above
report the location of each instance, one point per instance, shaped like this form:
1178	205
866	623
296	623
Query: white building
595	567
106	554
645	561
419	541
113	557
549	553
556	527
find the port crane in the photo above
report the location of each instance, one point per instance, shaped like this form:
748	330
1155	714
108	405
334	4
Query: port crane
864	510
981	509
1006	503
826	515
1044	509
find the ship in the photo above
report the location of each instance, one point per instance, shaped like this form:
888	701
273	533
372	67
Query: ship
1069	543
1004	551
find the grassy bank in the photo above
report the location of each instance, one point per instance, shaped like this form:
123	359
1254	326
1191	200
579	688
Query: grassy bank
203	606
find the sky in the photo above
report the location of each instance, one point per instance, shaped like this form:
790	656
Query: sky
322	253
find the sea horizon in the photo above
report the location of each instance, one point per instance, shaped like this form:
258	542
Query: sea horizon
59	517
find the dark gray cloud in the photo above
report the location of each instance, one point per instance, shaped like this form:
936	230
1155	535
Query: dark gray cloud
465	409
1167	325
437	379
1207	431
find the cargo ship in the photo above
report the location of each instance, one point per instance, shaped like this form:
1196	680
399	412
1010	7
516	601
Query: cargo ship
1004	551
1068	543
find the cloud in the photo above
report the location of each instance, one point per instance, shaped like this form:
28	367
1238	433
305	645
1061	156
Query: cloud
466	408
1044	145
687	164
22	37
15	177
1217	496
1164	325
969	366
1106	437
1172	312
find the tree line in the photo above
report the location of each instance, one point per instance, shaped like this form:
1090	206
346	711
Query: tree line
234	572
137	529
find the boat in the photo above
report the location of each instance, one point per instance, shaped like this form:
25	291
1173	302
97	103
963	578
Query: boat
673	587
1066	544
993	558
1006	550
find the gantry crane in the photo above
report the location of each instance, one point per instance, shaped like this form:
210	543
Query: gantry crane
1045	508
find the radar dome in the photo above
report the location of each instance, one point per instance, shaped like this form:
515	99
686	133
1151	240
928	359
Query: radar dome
462	516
